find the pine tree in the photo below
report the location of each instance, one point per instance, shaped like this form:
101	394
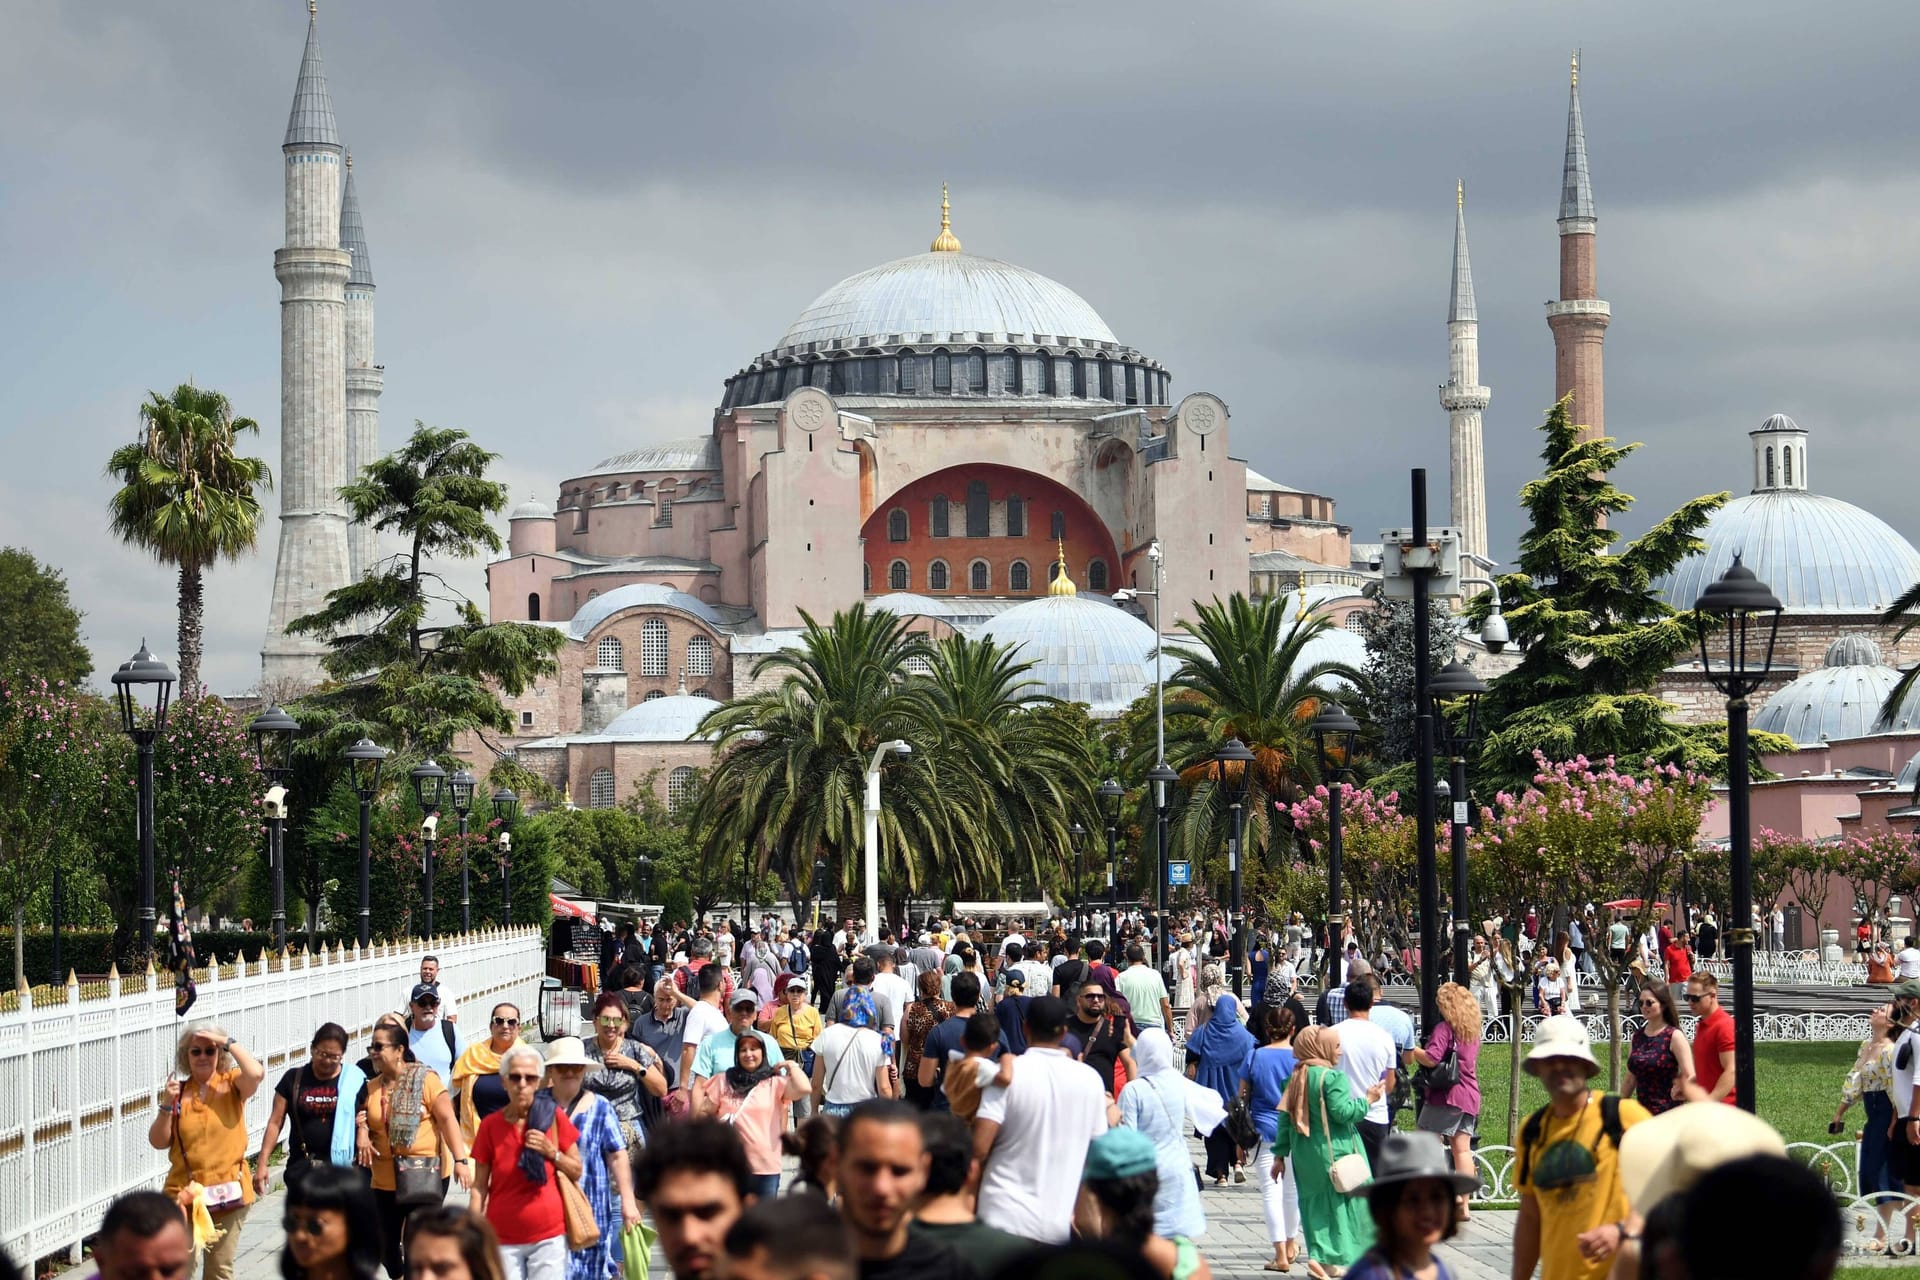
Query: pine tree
1388	631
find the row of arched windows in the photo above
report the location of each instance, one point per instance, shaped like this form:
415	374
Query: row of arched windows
940	576
943	372
609	654
977	517
679	788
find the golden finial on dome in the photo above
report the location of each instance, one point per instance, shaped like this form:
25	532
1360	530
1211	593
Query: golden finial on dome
946	241
1062	585
1301	616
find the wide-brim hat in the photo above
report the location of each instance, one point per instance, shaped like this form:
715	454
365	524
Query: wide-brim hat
1561	1036
1412	1155
568	1051
1678	1147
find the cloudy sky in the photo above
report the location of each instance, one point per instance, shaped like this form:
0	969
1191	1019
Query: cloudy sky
584	216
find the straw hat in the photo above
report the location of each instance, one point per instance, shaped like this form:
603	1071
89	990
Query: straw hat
1677	1148
568	1051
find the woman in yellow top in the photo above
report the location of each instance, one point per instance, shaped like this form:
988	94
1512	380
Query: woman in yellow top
796	1024
407	1112
202	1125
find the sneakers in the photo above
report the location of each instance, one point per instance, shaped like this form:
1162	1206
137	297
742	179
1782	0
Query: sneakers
1239	1174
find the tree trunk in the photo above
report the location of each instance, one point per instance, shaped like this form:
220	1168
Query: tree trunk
192	618
20	945
1613	1036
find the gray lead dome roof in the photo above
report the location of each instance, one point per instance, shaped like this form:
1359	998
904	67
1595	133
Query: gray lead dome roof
1818	554
952	296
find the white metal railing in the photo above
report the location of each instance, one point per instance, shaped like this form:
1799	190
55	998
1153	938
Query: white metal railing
1766	1026
79	1077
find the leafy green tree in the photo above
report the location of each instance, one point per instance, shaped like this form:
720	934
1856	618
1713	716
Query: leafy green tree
1593	633
39	627
188	496
403	679
1388	706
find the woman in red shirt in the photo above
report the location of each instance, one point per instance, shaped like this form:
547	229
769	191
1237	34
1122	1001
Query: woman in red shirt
520	1153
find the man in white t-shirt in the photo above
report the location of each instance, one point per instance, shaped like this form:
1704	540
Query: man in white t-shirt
1369	1059
704	1017
894	989
850	1062
1032	1135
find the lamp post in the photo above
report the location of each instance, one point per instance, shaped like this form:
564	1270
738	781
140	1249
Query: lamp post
819	887
131	685
1419	561
1233	774
1456	685
1077	837
365	759
462	784
429	788
506	807
1110	793
1334	735
643	875
898	747
1160	775
1746	610
272	732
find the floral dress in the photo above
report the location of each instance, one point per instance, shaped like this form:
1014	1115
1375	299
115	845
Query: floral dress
1653	1068
600	1135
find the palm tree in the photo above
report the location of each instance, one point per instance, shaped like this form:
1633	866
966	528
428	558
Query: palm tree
188	497
1906	612
1243	677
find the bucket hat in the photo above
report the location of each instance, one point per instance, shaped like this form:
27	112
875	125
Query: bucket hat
1561	1036
1411	1156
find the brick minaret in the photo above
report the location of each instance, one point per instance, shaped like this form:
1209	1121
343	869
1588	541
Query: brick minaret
312	270
1579	319
1463	397
365	378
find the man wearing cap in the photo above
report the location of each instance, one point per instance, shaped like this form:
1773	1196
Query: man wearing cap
1574	1213
1032	1135
432	1040
715	1053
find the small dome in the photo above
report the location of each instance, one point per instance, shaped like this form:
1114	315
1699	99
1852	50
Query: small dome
671	719
1852	651
1837	702
1779	422
1818	554
1083	649
532	509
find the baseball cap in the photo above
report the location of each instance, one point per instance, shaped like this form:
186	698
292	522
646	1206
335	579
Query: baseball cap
747	996
1910	988
424	993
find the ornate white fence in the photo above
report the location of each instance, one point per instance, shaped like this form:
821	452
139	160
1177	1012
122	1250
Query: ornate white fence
79	1077
1766	1026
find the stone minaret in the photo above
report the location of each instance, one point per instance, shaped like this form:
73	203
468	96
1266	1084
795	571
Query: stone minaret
1579	319
1463	397
365	378
312	270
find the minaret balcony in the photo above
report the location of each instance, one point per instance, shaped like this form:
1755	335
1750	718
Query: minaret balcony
1454	397
1579	307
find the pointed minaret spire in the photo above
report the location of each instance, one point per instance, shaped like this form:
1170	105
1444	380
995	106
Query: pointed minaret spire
1579	319
1576	187
353	232
311	121
365	378
1463	397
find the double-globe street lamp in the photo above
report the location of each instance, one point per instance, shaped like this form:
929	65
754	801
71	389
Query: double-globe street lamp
430	789
1335	734
1233	774
365	759
1110	793
142	687
1455	688
1747	612
506	807
463	784
273	732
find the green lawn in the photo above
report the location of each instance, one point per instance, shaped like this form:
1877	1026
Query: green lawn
1799	1086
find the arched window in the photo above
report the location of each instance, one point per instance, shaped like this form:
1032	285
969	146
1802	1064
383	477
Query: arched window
978	520
866	576
699	656
1105	389
1769	483
905	361
942	372
1018	578
896	525
1357	622
897	576
939	523
977	371
1013	372
679	786
1053	569
1097	575
653	647
979	575
652	694
1016	516
608	656
1058	529
919	665
1079	376
600	789
663	509
533	606
937	576
703	693
837	378
592	594
1044	383
1786	457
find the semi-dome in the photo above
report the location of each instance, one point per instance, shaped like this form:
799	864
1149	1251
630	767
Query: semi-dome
1083	649
1818	554
674	718
637	595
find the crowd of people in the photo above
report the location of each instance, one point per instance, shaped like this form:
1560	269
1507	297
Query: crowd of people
958	1102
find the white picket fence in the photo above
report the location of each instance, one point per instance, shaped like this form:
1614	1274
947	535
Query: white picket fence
79	1077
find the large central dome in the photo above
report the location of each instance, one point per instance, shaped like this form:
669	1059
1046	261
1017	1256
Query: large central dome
952	297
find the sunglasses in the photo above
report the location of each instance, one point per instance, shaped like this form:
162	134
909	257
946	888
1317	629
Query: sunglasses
310	1225
1693	998
506	1022
601	1022
520	1078
202	1051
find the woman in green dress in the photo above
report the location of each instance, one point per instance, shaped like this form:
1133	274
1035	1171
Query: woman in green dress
1319	1115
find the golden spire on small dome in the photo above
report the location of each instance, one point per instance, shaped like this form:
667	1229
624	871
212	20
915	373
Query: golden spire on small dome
946	241
1062	585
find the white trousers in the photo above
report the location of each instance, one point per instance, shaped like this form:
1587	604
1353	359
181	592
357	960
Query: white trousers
1280	1200
545	1260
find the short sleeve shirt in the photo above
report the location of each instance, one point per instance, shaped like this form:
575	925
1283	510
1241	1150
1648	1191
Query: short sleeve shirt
1144	989
211	1142
1711	1038
520	1211
1574	1174
310	1102
1367	1054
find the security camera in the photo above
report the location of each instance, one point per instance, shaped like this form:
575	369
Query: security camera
276	802
506	841
1153	550
1494	633
429	825
1125	595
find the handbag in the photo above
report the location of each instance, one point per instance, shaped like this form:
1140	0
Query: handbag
583	1230
416	1181
1348	1173
1439	1077
1240	1126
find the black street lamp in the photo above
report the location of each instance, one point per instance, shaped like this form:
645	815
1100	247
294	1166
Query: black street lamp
1455	686
643	875
1077	837
506	807
1335	734
819	888
131	685
365	760
430	789
1233	774
1746	611
462	785
272	731
1163	779
1110	794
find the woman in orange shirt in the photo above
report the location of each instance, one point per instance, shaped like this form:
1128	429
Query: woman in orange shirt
407	1114
202	1125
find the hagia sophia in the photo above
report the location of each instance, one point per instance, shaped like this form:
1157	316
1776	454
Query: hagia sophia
966	443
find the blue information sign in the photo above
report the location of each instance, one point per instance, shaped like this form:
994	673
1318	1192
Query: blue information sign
1179	873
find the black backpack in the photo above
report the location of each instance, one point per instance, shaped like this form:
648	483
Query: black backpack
1610	1129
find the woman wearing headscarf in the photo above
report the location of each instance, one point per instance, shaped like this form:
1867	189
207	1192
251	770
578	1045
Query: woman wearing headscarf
1160	1104
924	1013
1219	1056
753	1095
1318	1125
1182	959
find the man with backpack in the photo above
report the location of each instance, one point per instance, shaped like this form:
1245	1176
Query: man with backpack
1573	1209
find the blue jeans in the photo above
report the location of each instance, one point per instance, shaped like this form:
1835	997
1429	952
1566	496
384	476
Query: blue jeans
766	1185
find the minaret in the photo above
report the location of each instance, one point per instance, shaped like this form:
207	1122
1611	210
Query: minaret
1463	397
1579	319
365	378
312	270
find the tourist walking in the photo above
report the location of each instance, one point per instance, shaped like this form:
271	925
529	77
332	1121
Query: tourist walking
408	1119
1660	1062
1035	1132
1318	1127
477	1091
926	1011
1368	1057
452	1244
333	1229
606	1176
520	1153
1713	1043
202	1126
1183	971
753	1096
1452	1112
1414	1200
850	1062
1161	1104
1273	1065
796	1025
626	1072
1219	1055
1869	1084
310	1096
1122	1176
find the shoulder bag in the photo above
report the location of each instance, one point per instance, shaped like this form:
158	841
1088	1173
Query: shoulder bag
1439	1077
416	1179
583	1230
1348	1173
